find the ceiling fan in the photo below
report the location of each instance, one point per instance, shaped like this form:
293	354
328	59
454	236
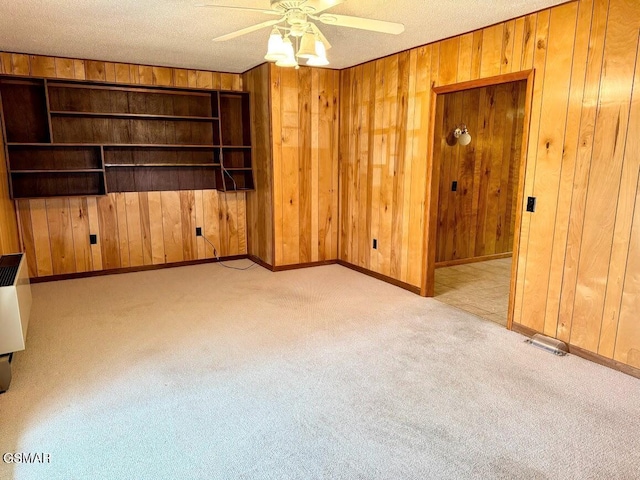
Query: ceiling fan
296	26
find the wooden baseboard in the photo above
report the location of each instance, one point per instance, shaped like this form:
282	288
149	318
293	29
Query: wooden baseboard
282	268
587	355
141	268
260	262
295	266
379	276
462	261
526	331
607	362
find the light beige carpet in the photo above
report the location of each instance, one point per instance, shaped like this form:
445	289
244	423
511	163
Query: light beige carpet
203	372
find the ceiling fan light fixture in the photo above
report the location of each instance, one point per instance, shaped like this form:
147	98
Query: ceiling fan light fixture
289	60
320	59
308	46
276	48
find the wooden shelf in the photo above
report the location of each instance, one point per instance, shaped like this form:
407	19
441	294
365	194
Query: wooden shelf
155	145
78	138
125	145
64	170
133	116
53	145
130	88
144	165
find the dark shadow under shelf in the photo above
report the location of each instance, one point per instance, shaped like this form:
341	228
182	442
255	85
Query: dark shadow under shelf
60	113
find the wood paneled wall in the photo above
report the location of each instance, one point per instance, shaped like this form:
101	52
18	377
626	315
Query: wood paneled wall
577	271
260	202
9	235
384	118
133	229
304	122
478	219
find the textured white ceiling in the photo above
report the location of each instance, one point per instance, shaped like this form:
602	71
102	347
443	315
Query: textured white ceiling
176	33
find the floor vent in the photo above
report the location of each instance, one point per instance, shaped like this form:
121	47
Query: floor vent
549	344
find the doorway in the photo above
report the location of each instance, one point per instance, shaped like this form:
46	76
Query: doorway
479	145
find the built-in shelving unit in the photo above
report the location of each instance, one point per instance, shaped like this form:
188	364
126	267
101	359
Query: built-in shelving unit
66	138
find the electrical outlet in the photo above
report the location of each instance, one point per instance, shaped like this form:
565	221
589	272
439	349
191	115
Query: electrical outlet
531	204
93	239
198	231
375	243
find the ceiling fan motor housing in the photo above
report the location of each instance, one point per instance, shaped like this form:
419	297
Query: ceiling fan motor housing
285	5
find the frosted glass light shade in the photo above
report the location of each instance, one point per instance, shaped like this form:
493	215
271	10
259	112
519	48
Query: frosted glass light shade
289	60
464	139
307	46
320	59
275	50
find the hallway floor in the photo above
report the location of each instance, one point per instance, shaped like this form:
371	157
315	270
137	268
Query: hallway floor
481	288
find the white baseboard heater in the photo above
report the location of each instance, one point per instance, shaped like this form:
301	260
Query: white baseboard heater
15	307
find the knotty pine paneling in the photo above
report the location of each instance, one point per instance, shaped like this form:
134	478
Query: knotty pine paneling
134	229
478	219
260	202
9	236
578	257
304	131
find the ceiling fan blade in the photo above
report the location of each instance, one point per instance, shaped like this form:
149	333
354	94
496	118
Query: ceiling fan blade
322	38
244	31
246	9
362	23
321	5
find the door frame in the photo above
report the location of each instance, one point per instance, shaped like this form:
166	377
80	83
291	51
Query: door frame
433	181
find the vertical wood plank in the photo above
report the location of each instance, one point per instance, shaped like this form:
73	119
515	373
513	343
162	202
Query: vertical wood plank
64	68
589	112
156	228
94	229
80	231
24	212
276	125
289	168
20	64
134	228
41	237
180	77
492	39
419	165
145	75
95	70
79	70
188	220
539	62
123	229
619	277
304	170
199	220
162	76
108	223
606	166
570	145
145	229
241	223
314	107
172	227
627	340
42	66
211	213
